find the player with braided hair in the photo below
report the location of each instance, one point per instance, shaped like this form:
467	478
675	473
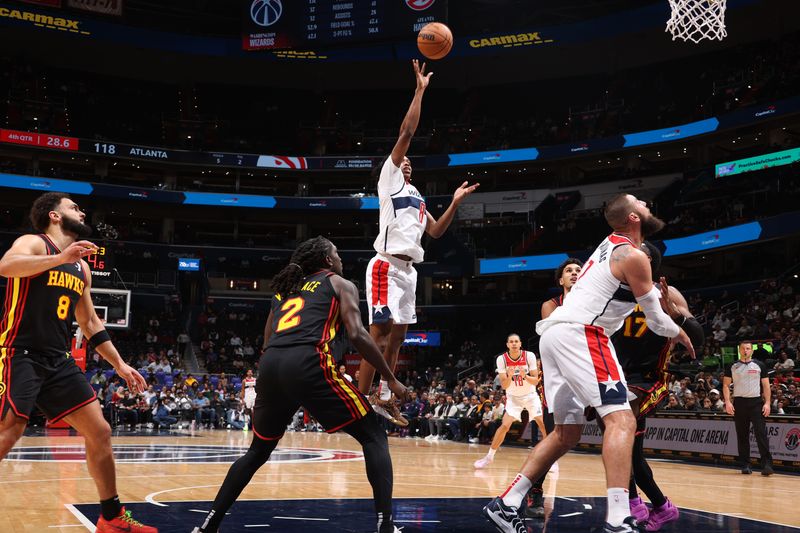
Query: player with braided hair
307	258
311	303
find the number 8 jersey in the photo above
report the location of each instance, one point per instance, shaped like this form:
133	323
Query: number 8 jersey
522	367
39	310
310	316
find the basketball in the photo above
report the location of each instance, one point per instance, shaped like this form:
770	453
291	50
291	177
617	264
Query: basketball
435	40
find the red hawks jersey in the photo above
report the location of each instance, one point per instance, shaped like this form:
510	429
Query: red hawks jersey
403	218
522	367
597	298
249	385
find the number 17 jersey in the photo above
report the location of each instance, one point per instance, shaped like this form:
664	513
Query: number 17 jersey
308	317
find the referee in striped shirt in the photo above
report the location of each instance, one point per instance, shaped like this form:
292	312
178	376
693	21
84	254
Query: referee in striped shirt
750	381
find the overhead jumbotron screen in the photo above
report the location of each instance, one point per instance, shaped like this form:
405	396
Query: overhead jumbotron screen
303	24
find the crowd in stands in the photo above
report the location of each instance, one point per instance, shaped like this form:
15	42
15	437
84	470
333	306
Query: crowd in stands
231	340
210	402
211	117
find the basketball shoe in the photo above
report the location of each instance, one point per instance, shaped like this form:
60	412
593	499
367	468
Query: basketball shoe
124	523
534	507
661	515
629	525
388	409
505	519
483	462
639	510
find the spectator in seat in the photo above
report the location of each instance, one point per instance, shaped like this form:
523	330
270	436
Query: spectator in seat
447	419
690	402
128	409
99	378
203	410
468	424
183	341
486	427
415	414
719	334
784	362
162	416
434	416
717	405
672	403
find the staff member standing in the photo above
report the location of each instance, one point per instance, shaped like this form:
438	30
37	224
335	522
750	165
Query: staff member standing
750	380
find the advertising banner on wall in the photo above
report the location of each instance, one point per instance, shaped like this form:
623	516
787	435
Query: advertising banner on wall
716	436
759	162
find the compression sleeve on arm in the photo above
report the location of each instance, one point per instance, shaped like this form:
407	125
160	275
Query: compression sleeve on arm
658	321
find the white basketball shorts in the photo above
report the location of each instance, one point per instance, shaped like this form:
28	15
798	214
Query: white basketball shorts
391	290
249	400
580	369
516	404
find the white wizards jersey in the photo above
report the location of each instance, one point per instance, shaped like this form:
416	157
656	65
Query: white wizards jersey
522	367
249	385
402	215
597	298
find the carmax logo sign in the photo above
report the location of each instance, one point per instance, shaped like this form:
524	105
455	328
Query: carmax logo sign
508	41
38	19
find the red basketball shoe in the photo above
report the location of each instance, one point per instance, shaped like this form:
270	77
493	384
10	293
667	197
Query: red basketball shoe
124	523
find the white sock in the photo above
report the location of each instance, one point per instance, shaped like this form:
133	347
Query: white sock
491	453
618	507
385	392
516	492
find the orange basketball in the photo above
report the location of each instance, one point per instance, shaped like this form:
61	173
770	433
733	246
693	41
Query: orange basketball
435	40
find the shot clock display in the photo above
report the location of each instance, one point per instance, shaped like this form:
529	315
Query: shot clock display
101	263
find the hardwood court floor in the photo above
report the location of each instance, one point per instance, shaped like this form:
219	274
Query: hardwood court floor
35	495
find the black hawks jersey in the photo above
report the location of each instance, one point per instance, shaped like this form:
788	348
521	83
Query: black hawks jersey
540	386
643	355
39	310
309	317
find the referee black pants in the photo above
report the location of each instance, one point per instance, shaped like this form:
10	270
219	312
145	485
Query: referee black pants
747	411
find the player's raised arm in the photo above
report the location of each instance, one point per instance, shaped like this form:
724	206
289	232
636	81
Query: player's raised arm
634	267
359	337
436	228
28	257
411	120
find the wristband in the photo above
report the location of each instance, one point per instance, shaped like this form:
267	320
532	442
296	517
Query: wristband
99	338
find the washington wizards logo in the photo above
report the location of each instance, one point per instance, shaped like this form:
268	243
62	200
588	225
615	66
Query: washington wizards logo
419	5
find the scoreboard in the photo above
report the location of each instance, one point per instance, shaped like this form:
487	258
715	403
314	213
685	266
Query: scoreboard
284	24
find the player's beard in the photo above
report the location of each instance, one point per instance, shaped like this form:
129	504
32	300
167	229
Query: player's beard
77	227
651	225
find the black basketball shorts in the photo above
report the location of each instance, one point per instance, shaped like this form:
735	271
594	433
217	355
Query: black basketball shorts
53	383
303	376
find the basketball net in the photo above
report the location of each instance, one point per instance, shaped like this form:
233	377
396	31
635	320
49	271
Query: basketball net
695	20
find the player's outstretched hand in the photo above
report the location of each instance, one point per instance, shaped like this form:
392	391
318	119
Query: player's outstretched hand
464	191
399	390
683	339
422	79
667	304
78	250
133	378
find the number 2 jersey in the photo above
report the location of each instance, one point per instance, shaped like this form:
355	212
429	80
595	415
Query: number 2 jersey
309	317
522	367
39	310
